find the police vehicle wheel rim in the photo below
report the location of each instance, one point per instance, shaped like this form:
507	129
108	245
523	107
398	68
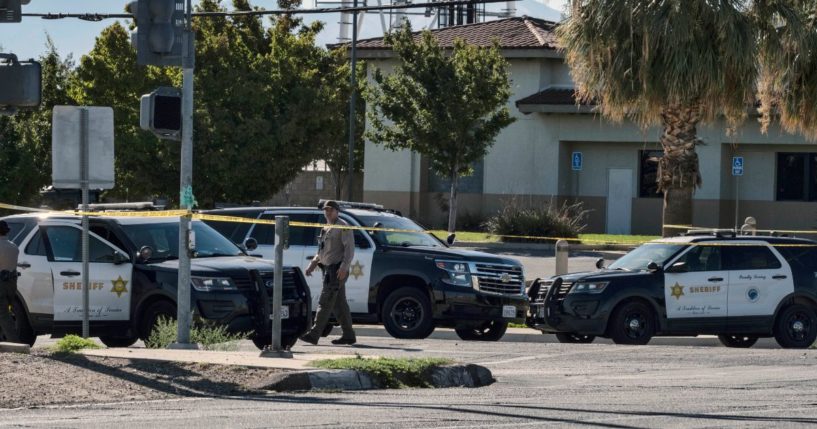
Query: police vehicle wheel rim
635	325
799	326
407	313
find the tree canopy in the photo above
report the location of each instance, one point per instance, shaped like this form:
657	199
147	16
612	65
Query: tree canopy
266	104
676	63
448	106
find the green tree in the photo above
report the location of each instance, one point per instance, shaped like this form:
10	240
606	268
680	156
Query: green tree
262	101
446	106
336	135
676	63
145	167
25	139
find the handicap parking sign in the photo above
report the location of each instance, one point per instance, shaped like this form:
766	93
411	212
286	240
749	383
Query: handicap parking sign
737	166
577	161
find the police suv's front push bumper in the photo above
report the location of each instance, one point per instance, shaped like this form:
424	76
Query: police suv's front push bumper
553	313
454	305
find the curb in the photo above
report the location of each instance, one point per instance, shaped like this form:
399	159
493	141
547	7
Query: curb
15	348
346	379
544	247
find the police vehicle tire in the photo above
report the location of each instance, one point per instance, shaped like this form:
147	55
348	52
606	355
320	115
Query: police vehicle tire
570	338
24	330
737	341
263	341
406	314
160	309
491	330
632	323
113	341
796	327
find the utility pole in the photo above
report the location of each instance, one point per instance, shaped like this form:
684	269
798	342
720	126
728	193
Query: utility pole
350	173
186	199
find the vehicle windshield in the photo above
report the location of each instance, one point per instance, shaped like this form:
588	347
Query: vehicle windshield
640	257
163	238
419	238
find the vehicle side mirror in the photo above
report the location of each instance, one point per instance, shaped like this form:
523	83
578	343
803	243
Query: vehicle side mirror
250	244
145	253
120	258
678	267
600	263
653	267
450	239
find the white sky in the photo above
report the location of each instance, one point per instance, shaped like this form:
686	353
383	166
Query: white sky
28	39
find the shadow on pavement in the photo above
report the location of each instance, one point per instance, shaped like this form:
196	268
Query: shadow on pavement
168	377
304	399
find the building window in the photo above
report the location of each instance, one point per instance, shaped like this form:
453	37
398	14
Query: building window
796	176
648	174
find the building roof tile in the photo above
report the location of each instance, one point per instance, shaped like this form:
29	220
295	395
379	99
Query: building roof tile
521	32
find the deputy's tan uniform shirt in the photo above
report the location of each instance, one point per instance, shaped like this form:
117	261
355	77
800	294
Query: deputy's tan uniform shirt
338	246
8	254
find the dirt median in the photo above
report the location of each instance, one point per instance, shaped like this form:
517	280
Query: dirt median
42	378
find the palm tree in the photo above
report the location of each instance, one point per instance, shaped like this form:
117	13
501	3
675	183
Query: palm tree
677	63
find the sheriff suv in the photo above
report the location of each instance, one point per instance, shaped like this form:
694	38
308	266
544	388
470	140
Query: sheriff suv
133	273
409	280
739	288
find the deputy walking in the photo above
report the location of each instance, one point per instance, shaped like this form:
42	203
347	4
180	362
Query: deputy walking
8	283
337	248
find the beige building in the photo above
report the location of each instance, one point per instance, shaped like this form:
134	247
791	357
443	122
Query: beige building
532	161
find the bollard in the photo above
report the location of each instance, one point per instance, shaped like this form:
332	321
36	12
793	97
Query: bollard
562	248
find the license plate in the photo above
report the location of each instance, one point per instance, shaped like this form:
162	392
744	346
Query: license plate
284	313
508	311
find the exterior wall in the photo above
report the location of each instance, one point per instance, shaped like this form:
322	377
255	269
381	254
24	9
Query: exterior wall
530	164
304	190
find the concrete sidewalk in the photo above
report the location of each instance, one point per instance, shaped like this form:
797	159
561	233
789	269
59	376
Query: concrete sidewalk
298	362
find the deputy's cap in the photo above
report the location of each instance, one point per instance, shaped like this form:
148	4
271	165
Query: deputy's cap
4	228
331	203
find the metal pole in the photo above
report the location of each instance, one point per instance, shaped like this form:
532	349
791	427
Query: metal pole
186	184
281	229
737	202
350	172
84	161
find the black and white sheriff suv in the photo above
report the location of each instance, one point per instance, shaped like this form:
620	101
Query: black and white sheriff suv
133	277
739	288
409	281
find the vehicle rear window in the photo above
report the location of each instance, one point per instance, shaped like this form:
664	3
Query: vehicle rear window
800	256
18	231
750	257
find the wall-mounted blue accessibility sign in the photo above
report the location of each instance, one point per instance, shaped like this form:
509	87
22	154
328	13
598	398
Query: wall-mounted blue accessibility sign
577	161
737	166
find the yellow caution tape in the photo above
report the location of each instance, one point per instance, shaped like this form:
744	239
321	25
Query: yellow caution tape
22	208
238	219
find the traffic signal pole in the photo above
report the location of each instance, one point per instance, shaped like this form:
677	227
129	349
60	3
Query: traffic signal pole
186	200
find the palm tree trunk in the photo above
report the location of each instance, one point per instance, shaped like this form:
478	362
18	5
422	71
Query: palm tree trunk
452	200
678	173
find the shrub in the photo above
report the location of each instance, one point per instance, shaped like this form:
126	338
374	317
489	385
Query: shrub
211	337
566	221
74	343
470	221
392	373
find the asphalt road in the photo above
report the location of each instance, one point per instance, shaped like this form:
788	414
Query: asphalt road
671	383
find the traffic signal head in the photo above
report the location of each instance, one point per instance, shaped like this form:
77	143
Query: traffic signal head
20	82
160	25
161	113
10	11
